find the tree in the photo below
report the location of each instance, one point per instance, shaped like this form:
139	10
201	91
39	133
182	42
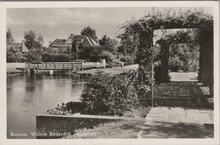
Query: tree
9	37
40	39
108	44
32	41
89	32
34	44
90	53
128	44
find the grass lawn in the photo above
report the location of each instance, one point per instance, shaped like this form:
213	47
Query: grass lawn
128	128
120	129
112	71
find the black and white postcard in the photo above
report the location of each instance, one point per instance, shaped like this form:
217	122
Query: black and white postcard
114	72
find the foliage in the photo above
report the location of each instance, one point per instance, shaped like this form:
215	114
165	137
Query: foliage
15	56
108	44
142	32
128	60
34	45
9	37
108	56
32	41
89	53
94	54
69	107
173	46
184	57
59	110
11	56
34	56
123	59
128	44
111	95
89	32
175	64
61	57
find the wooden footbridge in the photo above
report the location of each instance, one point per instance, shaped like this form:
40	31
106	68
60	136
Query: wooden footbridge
53	66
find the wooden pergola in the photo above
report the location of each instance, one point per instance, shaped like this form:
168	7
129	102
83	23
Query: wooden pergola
143	29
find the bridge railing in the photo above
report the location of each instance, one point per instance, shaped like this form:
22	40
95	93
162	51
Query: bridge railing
54	65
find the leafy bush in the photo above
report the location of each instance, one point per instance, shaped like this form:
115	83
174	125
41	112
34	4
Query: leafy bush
34	55
14	56
62	57
128	60
11	56
184	57
111	95
65	108
108	56
95	54
89	53
123	59
59	110
75	107
175	64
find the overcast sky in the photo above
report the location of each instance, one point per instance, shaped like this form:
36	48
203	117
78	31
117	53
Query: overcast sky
54	23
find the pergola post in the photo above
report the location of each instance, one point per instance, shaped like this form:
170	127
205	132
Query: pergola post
145	60
144	56
206	57
164	62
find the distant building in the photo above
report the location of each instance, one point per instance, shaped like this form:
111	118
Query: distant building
71	44
20	47
59	45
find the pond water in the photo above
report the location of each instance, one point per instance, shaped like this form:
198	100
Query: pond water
31	95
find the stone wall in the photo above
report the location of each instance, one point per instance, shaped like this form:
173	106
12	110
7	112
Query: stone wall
57	126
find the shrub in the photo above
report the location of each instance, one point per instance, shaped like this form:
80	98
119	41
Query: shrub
11	56
128	60
59	110
175	64
75	107
89	53
111	95
184	57
123	59
108	56
62	57
16	56
95	54
34	55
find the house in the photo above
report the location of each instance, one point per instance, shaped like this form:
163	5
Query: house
59	45
72	43
20	47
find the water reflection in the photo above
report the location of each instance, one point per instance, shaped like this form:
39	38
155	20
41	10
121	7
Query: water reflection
31	95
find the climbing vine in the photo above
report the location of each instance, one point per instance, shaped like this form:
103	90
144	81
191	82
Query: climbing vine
142	32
